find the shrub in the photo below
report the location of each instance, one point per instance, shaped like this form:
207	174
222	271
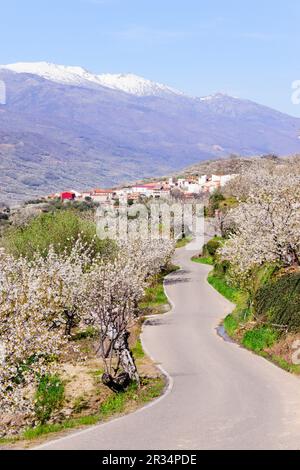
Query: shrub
89	332
260	338
279	301
221	268
49	397
211	247
230	325
60	229
214	203
34	201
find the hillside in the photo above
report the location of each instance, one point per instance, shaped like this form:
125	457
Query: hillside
63	127
231	165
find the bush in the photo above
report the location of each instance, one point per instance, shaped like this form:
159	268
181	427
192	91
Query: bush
49	397
230	325
211	247
259	339
221	268
89	332
60	229
34	201
214	203
278	301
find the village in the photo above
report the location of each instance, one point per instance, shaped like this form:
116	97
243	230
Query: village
179	188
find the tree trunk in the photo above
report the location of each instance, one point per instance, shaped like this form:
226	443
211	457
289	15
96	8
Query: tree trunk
126	358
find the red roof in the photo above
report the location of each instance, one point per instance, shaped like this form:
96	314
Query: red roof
151	185
67	195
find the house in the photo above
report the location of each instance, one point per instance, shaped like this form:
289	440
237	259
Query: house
147	189
67	196
213	183
226	178
180	182
171	182
86	194
202	180
102	195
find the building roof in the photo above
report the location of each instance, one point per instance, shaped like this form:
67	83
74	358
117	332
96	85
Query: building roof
102	191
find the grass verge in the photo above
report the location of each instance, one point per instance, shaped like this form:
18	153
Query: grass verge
231	325
155	296
113	406
204	260
183	242
220	284
258	339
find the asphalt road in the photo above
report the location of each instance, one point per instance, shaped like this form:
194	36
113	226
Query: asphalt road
220	396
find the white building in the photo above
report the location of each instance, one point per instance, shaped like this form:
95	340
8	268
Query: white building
102	195
202	180
226	178
192	187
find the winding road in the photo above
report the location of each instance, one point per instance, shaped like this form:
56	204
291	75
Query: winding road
220	396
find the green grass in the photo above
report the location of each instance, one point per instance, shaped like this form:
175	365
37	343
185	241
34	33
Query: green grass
220	284
230	325
183	242
155	295
279	361
152	392
44	429
89	332
204	260
259	339
8	440
113	405
137	350
97	373
49	397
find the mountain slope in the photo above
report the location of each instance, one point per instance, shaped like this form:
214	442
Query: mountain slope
67	130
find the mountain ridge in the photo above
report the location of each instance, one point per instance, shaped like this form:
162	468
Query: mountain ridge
79	76
55	136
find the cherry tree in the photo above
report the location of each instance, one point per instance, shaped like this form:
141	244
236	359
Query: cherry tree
41	300
44	298
26	339
267	225
114	291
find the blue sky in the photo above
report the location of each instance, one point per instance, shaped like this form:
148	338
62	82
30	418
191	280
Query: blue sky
246	48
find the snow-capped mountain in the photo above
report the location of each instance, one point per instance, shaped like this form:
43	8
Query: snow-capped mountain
63	127
78	76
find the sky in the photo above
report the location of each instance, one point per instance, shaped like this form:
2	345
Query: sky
249	48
